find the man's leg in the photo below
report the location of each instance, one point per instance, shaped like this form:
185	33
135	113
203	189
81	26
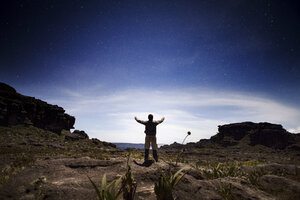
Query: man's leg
147	147
154	148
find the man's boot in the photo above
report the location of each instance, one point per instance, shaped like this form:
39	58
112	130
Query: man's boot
155	155
146	155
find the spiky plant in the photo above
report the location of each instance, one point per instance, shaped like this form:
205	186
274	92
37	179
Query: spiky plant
253	176
128	183
217	171
164	187
225	190
108	192
223	170
214	172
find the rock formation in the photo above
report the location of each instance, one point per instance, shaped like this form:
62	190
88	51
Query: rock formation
19	109
249	133
76	135
267	134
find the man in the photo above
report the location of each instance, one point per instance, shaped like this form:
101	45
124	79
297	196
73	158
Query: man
150	130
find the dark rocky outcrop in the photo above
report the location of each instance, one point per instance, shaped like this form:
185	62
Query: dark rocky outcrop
76	135
108	144
174	145
267	134
96	141
19	109
246	133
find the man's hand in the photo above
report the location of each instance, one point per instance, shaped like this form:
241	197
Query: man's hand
162	119
135	118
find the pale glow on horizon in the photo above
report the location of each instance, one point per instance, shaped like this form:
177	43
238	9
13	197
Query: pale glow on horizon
110	116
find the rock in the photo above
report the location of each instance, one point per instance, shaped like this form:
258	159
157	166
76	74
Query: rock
81	134
5	87
108	144
279	169
27	122
175	145
294	147
19	109
96	141
267	134
228	141
273	184
276	138
76	135
203	143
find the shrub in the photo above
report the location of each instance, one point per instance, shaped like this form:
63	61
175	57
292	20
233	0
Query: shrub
164	187
108	192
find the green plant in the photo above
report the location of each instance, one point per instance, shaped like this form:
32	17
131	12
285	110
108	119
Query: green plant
214	172
20	162
108	192
128	183
223	170
164	187
225	190
254	176
251	163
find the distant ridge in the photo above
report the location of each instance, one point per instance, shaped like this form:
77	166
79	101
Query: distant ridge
124	146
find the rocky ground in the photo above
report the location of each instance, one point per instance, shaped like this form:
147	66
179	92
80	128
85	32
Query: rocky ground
37	164
67	178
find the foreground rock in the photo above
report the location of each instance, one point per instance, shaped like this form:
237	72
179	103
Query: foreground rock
19	109
67	178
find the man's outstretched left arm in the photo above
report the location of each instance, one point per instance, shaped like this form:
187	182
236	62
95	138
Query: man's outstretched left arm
160	121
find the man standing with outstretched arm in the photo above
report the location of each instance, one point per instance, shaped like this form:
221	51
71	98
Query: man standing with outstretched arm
150	130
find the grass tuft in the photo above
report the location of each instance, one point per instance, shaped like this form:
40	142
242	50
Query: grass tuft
253	176
225	190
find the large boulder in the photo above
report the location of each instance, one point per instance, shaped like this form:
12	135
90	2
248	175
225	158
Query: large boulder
19	109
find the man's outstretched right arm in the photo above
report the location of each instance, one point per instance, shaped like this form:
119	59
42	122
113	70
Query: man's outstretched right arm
139	121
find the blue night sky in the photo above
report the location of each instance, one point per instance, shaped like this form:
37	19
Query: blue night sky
198	63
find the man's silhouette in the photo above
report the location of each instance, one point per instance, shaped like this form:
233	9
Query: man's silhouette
150	130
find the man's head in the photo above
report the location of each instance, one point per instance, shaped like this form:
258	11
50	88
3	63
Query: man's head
150	117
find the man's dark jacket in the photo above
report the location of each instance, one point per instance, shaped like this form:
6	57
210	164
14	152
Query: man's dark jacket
150	126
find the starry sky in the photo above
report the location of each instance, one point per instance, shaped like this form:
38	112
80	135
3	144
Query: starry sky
198	63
